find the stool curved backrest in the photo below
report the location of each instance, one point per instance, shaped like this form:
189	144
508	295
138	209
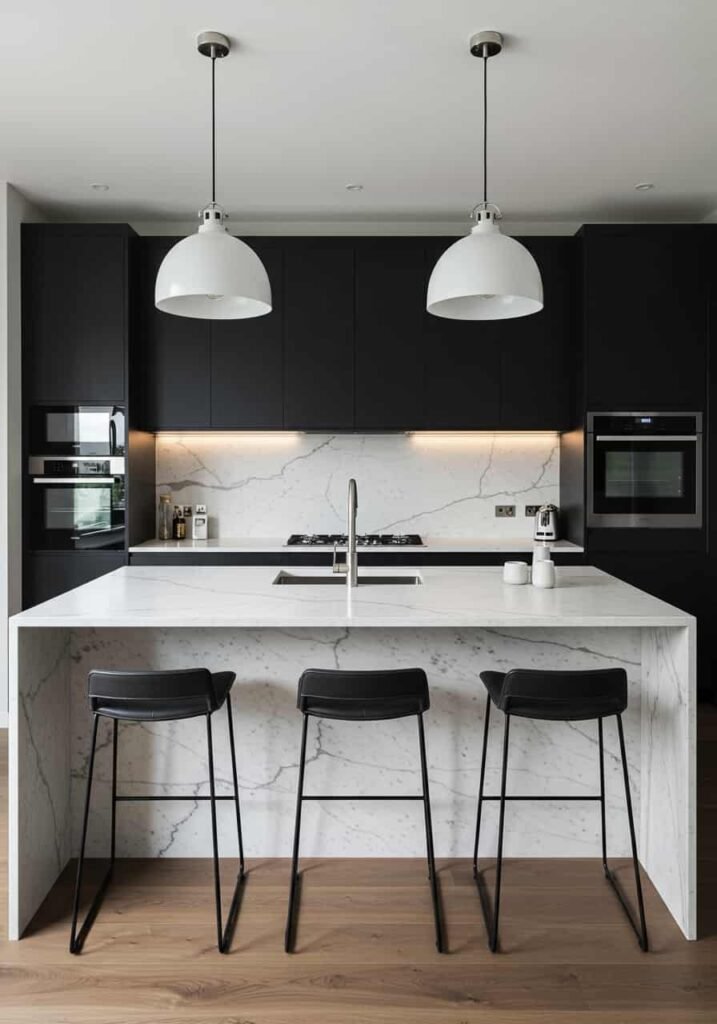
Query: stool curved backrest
363	696
155	696
564	696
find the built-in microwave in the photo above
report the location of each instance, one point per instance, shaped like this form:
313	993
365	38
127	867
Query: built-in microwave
77	504
79	431
644	469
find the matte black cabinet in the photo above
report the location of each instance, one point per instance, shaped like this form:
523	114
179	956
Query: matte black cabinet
390	299
247	358
538	351
646	316
52	573
349	346
319	334
177	355
75	312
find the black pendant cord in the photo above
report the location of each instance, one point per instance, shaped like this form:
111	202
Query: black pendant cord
485	124
214	137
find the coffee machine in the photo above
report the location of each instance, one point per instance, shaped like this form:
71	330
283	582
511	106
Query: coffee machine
546	524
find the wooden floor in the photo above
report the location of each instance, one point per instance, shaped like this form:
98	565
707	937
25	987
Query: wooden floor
365	948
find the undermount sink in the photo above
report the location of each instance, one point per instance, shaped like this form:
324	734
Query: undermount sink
336	579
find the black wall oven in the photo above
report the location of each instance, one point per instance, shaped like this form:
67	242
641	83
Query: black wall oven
77	504
77	430
644	470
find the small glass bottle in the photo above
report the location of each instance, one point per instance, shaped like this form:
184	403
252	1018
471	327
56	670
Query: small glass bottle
180	524
164	527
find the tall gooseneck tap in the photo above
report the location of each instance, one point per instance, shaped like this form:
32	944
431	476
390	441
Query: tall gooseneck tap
351	556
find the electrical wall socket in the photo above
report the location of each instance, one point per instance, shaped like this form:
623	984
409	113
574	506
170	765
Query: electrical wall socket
505	511
531	510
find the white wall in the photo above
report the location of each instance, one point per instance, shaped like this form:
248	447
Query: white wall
14	210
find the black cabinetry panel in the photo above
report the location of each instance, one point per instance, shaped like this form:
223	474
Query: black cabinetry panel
646	316
178	386
247	359
390	282
50	574
319	330
75	302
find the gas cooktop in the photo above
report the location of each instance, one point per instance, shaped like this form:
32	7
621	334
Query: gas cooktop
363	540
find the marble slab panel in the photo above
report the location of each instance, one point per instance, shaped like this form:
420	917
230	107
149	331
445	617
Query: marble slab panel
440	486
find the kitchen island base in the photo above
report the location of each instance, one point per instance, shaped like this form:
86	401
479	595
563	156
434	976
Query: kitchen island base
51	727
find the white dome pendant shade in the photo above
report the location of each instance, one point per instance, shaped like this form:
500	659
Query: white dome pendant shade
486	276
212	275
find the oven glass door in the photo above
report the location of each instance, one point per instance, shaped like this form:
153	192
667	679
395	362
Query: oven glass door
78	516
642	477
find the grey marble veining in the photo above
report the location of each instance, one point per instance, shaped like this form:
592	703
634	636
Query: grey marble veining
261	486
349	757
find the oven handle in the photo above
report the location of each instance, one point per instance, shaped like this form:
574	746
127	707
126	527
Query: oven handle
73	480
656	438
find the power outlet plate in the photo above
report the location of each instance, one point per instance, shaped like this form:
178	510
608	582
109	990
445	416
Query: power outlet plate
505	511
531	510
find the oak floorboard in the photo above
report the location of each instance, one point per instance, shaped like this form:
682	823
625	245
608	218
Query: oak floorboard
365	952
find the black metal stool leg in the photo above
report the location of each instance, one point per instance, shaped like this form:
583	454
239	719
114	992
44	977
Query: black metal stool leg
77	938
236	784
291	913
480	788
641	930
429	839
501	822
224	934
602	798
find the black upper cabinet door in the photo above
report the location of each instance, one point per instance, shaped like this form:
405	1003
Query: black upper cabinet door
247	359
177	392
390	312
646	317
537	351
318	334
75	302
462	367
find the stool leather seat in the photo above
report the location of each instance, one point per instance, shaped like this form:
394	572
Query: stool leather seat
164	696
363	696
558	696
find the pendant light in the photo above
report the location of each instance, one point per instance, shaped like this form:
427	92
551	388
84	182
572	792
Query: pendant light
485	276
212	275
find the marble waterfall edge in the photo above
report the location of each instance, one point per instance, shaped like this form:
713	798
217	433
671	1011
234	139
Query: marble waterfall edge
347	757
439	486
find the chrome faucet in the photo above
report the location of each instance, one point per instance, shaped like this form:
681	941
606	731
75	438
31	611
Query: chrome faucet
350	566
351	556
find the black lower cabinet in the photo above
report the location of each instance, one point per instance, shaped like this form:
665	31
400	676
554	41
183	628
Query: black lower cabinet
49	574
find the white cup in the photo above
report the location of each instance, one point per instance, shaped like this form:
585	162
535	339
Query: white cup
541	554
544	574
515	572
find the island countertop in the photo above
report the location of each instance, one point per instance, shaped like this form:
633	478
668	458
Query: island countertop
237	596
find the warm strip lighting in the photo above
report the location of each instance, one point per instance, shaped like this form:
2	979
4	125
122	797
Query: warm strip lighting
248	437
468	437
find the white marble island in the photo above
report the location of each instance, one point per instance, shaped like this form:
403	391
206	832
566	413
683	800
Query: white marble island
456	623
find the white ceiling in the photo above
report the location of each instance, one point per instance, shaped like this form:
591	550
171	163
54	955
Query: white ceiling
588	98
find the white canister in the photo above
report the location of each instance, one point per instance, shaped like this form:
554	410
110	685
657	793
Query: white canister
541	553
515	572
544	574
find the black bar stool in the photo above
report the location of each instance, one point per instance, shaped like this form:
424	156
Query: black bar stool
558	697
363	697
159	697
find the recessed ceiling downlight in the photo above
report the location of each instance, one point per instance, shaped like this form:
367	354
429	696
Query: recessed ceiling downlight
644	186
354	187
98	186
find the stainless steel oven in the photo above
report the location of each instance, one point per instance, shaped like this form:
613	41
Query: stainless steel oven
77	504
644	469
78	431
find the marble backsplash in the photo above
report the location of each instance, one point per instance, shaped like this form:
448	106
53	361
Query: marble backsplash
439	485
